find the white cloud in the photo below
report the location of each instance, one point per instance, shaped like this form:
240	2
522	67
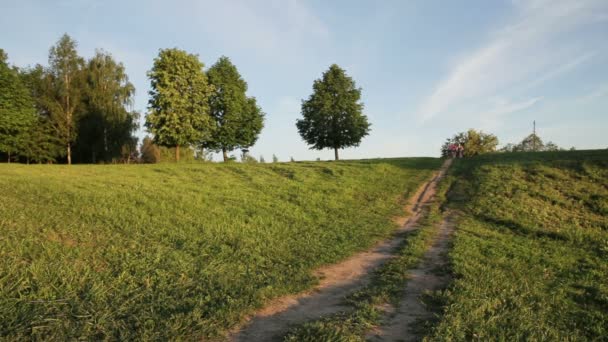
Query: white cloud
533	43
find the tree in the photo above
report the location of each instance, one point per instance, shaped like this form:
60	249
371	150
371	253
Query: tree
275	159
238	120
17	112
43	144
474	143
333	115
65	72
178	108
531	143
551	146
150	153
107	125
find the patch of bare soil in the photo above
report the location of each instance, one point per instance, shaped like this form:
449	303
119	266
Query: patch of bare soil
336	281
403	324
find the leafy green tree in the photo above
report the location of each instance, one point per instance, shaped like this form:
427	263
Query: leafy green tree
150	153
333	115
474	143
179	107
237	118
64	99
478	142
17	112
43	145
106	125
531	143
551	146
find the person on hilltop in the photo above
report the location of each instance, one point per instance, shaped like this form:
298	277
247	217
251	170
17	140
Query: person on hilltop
452	150
460	150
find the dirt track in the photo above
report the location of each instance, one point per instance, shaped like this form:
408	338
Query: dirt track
428	276
337	280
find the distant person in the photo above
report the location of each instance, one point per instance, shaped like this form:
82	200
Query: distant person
460	150
453	150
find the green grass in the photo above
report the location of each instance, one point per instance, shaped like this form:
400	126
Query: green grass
530	255
386	286
180	251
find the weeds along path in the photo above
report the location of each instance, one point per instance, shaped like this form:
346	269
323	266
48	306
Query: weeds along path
429	276
337	280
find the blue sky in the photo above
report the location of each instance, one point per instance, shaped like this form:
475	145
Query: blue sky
428	69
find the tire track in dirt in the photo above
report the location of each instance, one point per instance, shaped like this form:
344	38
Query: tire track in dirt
430	275
337	280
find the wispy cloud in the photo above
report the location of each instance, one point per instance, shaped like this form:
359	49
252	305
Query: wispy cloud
601	91
504	107
533	43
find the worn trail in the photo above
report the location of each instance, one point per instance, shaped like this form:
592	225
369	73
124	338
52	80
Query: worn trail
337	280
430	275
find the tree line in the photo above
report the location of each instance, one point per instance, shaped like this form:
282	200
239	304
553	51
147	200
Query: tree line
72	110
79	110
477	142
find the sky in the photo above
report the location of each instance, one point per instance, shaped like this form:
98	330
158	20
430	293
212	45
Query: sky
428	69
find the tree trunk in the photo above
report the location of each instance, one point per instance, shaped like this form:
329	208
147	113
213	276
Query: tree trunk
336	153
9	157
177	153
225	154
69	154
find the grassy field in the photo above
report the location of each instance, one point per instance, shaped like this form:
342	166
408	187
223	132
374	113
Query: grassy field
180	251
530	255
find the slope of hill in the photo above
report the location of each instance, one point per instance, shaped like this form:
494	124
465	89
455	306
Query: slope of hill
530	255
180	251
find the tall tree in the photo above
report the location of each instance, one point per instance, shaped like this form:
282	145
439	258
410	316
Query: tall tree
333	115
237	118
65	71
43	145
17	112
179	107
106	125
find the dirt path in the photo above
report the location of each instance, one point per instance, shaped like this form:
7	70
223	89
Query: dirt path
337	280
430	275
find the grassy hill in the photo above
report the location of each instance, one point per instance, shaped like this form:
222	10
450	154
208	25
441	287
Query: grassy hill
530	255
180	251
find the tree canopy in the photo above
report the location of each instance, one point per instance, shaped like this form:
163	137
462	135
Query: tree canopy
237	119
178	108
64	94
17	113
106	126
531	143
333	114
474	143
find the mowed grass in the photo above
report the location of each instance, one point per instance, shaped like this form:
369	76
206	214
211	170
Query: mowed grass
530	255
160	252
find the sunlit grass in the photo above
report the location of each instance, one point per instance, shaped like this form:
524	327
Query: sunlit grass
180	251
530	253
